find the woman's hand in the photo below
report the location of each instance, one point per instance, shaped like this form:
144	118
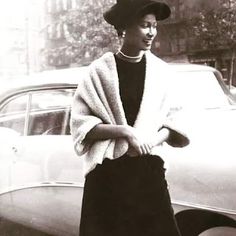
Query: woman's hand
137	146
140	146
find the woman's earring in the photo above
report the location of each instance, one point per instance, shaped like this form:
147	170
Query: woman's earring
123	34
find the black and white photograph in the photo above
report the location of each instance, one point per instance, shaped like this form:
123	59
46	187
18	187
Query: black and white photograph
117	118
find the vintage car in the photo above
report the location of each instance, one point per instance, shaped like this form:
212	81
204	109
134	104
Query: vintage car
41	178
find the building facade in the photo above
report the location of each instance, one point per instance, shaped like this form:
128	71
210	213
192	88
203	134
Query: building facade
20	40
55	53
177	43
89	37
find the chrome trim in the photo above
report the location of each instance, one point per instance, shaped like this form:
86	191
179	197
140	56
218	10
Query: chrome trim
12	94
81	185
43	184
27	112
204	207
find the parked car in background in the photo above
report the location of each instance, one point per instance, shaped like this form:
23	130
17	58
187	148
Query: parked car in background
41	179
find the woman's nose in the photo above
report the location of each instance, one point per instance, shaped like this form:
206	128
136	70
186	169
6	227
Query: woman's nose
151	32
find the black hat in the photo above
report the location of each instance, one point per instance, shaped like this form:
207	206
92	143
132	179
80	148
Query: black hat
125	10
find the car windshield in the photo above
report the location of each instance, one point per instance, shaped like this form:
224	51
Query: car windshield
193	90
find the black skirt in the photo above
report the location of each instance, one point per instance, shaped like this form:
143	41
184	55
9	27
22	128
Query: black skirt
127	197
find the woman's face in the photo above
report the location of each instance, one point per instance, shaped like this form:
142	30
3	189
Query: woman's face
140	34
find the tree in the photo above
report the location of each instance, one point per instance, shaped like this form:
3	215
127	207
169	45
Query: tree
86	34
215	28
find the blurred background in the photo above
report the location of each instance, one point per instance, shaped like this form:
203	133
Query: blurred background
38	35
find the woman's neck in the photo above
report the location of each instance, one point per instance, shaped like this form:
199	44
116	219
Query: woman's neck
130	55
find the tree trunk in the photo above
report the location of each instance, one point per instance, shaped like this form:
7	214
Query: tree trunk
232	68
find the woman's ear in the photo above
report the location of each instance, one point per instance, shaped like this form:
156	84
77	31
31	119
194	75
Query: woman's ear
121	33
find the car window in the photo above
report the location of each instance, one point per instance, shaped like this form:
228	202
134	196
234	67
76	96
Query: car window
50	112
13	114
15	106
51	99
44	112
197	90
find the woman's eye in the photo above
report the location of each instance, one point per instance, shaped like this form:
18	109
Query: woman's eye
147	25
144	25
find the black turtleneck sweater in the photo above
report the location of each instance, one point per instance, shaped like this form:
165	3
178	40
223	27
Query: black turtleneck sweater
131	85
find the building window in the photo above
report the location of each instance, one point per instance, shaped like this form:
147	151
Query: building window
174	46
173	12
181	10
64	5
21	58
225	69
50	32
69	4
174	43
182	41
182	45
65	30
73	4
50	60
59	32
58	5
49	6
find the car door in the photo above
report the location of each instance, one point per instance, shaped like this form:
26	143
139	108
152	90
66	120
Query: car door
42	182
200	175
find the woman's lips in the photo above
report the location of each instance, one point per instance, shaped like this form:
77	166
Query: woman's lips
147	41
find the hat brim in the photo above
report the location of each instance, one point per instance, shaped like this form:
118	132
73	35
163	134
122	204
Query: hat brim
118	14
159	9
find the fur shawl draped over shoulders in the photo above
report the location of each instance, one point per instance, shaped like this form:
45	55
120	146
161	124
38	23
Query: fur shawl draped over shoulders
97	100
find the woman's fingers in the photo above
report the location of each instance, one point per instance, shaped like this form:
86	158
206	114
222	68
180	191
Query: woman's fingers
137	142
146	148
140	148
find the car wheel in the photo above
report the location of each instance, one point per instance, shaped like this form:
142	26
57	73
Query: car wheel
194	222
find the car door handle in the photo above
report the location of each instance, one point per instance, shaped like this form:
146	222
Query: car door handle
14	149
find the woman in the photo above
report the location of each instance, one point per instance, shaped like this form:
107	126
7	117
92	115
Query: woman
120	116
